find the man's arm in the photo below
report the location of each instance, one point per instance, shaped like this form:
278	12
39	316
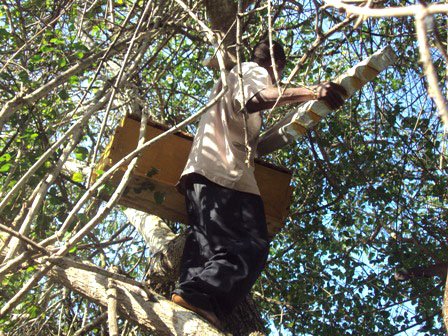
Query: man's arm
331	93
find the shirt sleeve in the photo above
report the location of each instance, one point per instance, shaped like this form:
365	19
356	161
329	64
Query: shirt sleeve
255	79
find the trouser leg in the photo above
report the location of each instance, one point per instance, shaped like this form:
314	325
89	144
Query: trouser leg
226	249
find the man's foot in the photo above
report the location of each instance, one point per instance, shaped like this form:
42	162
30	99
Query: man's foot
208	315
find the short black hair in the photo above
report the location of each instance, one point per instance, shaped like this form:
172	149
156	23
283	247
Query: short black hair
262	55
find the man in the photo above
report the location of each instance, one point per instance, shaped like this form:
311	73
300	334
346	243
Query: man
227	246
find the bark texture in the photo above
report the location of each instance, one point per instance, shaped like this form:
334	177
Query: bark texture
222	15
445	306
427	271
136	303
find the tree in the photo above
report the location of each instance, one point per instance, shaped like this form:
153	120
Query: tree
370	182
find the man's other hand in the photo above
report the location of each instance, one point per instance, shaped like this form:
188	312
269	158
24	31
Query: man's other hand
331	93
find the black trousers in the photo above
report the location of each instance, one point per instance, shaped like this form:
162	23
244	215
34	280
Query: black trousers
226	248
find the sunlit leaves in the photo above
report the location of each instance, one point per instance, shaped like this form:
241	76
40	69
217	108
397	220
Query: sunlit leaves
77	177
369	196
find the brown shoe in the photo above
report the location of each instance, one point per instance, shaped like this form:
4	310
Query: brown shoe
208	315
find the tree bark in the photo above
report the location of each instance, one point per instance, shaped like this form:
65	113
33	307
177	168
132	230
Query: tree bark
222	16
136	303
445	306
427	271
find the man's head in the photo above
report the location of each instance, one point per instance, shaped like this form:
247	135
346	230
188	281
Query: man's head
262	56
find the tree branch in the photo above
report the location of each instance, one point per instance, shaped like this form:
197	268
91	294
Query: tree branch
152	312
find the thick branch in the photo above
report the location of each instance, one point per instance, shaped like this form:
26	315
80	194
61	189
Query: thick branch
428	271
146	308
434	90
156	234
112	308
445	306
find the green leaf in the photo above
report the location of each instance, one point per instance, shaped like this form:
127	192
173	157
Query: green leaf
5	282
62	62
73	80
78	177
4	34
57	41
47	48
36	58
5	157
63	94
79	54
95	29
5	168
32	311
81	153
80	47
23	75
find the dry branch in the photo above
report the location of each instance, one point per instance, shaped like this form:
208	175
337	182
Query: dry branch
100	319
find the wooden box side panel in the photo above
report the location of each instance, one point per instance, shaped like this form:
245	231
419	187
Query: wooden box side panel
275	191
168	158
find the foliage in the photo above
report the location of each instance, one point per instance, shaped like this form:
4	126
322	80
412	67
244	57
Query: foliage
370	184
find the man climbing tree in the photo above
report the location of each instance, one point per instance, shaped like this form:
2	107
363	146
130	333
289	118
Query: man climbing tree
228	245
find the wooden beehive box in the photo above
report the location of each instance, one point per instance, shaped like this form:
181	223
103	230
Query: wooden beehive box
152	187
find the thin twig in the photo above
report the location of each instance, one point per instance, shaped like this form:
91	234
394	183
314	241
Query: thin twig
96	103
240	81
116	86
47	25
83	331
13	264
40	192
15	300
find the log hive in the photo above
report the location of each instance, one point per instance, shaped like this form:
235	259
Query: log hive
307	115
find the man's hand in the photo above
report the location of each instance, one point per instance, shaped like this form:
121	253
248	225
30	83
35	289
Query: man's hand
331	93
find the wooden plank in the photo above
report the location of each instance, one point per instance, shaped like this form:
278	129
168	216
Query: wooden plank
159	168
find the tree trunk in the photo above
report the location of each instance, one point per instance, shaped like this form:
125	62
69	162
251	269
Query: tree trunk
164	271
445	306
